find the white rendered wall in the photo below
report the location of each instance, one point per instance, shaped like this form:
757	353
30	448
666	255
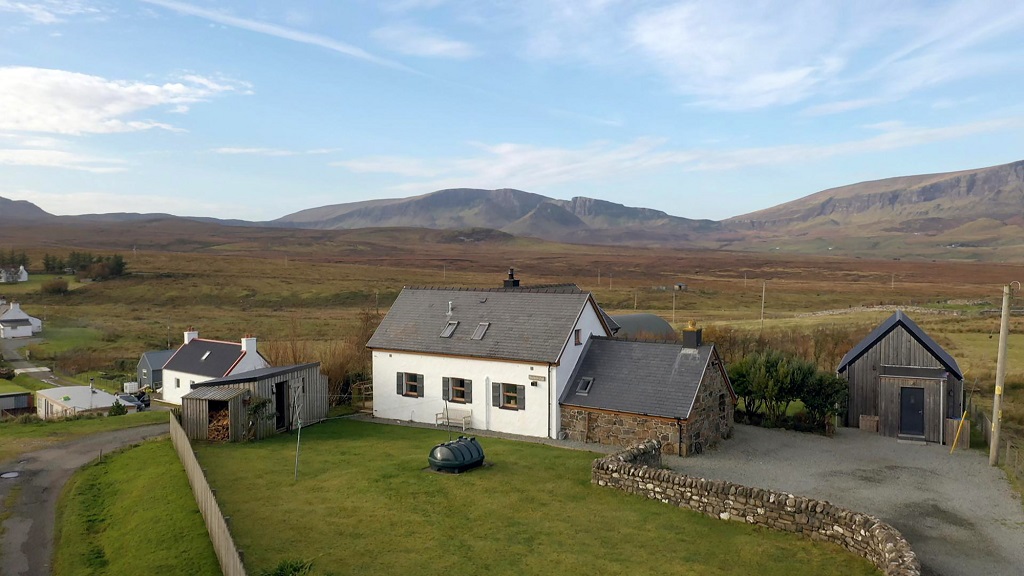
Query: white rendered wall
589	324
251	361
172	394
16	332
387	403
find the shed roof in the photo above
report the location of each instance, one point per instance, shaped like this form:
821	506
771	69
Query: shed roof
79	397
215	393
523	324
14	323
650	378
254	375
650	325
157	358
210	358
896	320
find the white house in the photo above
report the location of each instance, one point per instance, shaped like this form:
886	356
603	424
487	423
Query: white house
70	400
199	360
502	357
15	323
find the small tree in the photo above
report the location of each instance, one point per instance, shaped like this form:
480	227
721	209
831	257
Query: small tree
54	286
826	396
117	409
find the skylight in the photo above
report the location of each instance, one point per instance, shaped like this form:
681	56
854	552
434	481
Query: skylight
449	329
205	356
481	329
585	385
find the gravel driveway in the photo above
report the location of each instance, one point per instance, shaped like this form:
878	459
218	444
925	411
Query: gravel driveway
958	513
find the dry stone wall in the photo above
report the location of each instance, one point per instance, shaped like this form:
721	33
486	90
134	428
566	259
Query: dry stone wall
637	470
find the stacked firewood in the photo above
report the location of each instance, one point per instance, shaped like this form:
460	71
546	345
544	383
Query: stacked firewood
220	426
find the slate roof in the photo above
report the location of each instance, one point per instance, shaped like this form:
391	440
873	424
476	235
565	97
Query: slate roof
16	322
254	375
525	324
221	394
157	358
189	358
650	378
883	329
651	325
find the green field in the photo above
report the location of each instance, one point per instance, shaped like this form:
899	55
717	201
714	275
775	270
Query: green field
365	504
18	437
132	513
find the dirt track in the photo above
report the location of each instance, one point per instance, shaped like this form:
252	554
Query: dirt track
27	542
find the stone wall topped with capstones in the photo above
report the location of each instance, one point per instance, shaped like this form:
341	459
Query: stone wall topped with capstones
637	470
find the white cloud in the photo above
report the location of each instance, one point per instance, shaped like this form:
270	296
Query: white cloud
275	30
241	151
62	102
841	106
536	167
48	11
417	41
47	152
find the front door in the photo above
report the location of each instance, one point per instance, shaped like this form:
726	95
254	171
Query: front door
912	411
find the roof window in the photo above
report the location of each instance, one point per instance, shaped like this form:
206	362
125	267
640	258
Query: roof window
449	329
481	329
585	385
205	356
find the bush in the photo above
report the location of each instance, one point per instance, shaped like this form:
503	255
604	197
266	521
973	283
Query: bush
290	568
55	286
117	409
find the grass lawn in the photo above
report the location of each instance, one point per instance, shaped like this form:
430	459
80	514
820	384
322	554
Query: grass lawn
132	513
8	387
17	438
365	504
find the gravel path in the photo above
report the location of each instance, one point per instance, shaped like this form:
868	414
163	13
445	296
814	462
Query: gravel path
27	541
959	514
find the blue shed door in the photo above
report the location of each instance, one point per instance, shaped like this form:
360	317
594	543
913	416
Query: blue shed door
912	411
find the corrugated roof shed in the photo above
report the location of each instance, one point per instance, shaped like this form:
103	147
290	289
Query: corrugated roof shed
210	358
523	324
651	378
254	375
890	324
215	393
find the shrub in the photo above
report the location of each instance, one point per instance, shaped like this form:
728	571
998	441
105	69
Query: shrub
55	286
117	409
290	568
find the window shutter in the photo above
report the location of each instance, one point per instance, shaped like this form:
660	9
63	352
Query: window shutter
446	388
469	390
521	398
419	385
495	394
401	383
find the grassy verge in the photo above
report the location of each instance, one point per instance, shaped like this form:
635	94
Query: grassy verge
364	504
132	513
17	438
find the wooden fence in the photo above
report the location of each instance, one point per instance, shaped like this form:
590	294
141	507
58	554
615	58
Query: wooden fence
1010	448
230	558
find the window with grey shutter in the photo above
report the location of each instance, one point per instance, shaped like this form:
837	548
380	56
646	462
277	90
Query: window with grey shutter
401	383
521	401
419	385
469	391
495	394
446	388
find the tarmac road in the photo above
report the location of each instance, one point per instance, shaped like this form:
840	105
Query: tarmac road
27	541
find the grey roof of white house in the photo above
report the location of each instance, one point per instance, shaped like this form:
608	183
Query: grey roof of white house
890	324
79	397
16	322
192	358
254	375
649	378
527	324
157	358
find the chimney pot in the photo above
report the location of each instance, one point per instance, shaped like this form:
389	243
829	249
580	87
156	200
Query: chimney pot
512	281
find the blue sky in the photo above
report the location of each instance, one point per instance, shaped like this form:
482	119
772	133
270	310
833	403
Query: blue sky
712	109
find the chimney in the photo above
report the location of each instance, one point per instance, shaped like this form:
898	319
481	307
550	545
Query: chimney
449	307
15	306
249	344
692	335
512	281
191	335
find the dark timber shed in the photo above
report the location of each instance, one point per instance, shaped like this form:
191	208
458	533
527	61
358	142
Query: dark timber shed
901	376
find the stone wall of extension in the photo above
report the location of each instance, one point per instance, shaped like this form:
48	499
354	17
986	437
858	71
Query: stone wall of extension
637	470
618	428
711	417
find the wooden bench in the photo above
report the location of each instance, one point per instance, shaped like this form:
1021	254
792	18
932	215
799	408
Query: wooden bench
455	416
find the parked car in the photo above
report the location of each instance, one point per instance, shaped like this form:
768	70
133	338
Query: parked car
129	400
143	397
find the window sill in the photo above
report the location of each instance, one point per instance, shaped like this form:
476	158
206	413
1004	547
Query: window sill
408	395
513	408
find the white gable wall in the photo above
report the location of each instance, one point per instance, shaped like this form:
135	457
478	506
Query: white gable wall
589	324
387	403
173	394
250	361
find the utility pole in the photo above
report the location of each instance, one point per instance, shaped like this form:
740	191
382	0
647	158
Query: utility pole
997	412
764	287
673	305
635	292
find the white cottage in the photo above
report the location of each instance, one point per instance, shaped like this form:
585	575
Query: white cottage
199	360
15	323
498	359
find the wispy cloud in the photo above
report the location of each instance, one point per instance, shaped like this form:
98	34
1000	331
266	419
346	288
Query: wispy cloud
48	11
62	102
415	40
271	151
47	152
276	30
841	106
536	167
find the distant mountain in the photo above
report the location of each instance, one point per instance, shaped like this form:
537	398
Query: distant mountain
21	210
512	211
